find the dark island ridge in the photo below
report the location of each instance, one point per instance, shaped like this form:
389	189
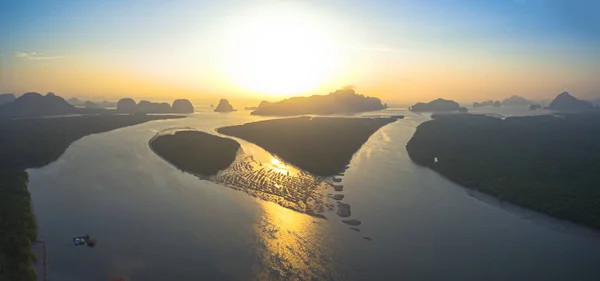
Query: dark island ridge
196	152
546	163
343	101
322	146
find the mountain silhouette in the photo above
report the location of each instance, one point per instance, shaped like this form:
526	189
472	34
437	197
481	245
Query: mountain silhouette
6	98
182	106
436	105
35	105
516	100
224	106
566	102
340	101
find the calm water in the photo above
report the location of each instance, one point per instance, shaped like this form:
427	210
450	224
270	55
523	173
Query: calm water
153	222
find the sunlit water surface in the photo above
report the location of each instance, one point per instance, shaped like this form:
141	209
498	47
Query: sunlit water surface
153	222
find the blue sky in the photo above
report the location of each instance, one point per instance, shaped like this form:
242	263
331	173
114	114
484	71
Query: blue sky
393	35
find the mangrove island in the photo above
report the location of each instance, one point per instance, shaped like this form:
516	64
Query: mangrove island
322	146
196	152
546	163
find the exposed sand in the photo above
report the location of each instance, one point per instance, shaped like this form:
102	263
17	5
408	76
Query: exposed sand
294	189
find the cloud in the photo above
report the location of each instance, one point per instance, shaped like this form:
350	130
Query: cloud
375	48
37	56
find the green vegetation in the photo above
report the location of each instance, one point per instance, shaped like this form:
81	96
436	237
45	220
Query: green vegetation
29	143
321	146
196	152
17	228
32	143
546	163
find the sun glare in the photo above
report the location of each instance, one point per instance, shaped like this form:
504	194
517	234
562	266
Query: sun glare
279	53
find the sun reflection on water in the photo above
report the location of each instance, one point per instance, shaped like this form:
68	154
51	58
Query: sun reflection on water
290	246
280	167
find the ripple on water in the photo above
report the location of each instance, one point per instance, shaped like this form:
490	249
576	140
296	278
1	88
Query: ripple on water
277	182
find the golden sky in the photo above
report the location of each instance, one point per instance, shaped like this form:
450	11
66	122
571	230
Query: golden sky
399	51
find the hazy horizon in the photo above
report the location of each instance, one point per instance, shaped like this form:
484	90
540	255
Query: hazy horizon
399	51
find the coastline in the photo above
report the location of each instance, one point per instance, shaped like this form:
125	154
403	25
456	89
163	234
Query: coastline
16	203
539	218
518	160
244	169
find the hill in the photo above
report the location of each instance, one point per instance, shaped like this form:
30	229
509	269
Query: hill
224	106
516	100
436	105
6	98
566	102
342	101
34	105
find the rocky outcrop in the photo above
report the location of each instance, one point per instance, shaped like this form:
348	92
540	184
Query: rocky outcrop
516	100
487	103
106	104
341	101
566	102
34	104
126	105
182	106
6	98
224	106
91	105
535	106
145	106
264	103
75	101
436	105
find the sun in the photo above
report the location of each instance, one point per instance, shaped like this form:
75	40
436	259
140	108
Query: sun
279	53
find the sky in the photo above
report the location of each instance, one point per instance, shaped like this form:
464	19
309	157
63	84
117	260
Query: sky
399	51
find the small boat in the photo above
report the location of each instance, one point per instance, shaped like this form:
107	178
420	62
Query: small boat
84	240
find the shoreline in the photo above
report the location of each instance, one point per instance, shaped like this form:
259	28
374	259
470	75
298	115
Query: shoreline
516	161
538	218
17	204
242	170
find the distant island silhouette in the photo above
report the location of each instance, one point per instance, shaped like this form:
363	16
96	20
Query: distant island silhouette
224	106
566	102
196	152
34	104
182	106
344	101
91	105
487	103
322	146
546	163
516	100
34	143
6	98
128	105
30	105
436	105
